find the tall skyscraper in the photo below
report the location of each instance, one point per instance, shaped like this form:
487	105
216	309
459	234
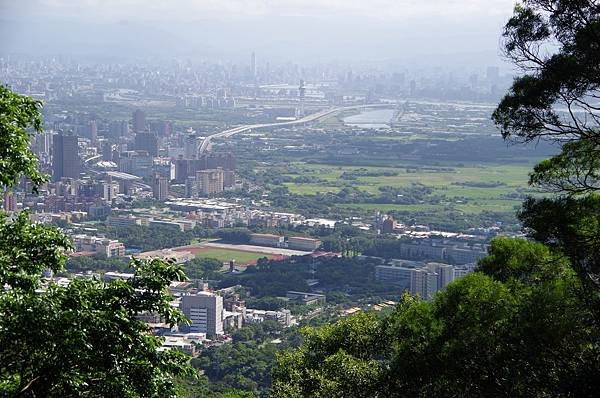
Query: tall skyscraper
119	128
191	146
139	121
160	188
146	141
65	160
205	311
93	129
253	65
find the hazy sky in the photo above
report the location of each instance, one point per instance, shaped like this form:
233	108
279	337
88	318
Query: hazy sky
185	9
295	30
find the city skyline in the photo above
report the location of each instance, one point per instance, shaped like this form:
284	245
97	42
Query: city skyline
404	32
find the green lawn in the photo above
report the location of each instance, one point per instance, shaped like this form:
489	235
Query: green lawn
445	180
225	255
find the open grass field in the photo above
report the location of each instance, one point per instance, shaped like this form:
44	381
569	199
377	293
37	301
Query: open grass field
472	188
224	255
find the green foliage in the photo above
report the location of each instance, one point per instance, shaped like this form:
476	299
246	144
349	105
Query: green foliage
524	261
576	170
270	278
149	238
480	337
554	99
571	226
335	361
97	263
18	114
26	249
266	303
202	268
348	275
245	365
234	235
83	339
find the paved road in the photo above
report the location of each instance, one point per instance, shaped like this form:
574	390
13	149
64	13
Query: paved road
307	119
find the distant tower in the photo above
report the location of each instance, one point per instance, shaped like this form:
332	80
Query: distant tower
65	157
139	121
160	188
146	141
253	65
301	94
93	131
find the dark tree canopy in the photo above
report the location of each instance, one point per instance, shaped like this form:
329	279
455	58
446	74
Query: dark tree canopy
18	116
557	45
526	324
486	335
83	339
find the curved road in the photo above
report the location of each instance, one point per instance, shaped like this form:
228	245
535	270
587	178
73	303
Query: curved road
306	119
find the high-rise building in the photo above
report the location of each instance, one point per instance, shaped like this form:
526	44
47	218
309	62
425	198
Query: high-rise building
191	187
65	161
228	178
191	146
139	121
210	181
119	128
414	279
181	170
205	311
43	145
93	130
109	191
107	151
160	188
146	141
253	65
423	283
445	273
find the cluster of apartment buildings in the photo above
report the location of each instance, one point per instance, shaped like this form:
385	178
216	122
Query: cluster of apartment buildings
448	251
420	278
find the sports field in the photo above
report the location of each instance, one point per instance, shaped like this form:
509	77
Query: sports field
225	255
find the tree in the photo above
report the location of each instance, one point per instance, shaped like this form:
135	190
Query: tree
556	97
487	334
556	45
199	268
18	114
526	324
83	339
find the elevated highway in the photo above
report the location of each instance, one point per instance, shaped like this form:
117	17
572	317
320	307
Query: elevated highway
306	119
